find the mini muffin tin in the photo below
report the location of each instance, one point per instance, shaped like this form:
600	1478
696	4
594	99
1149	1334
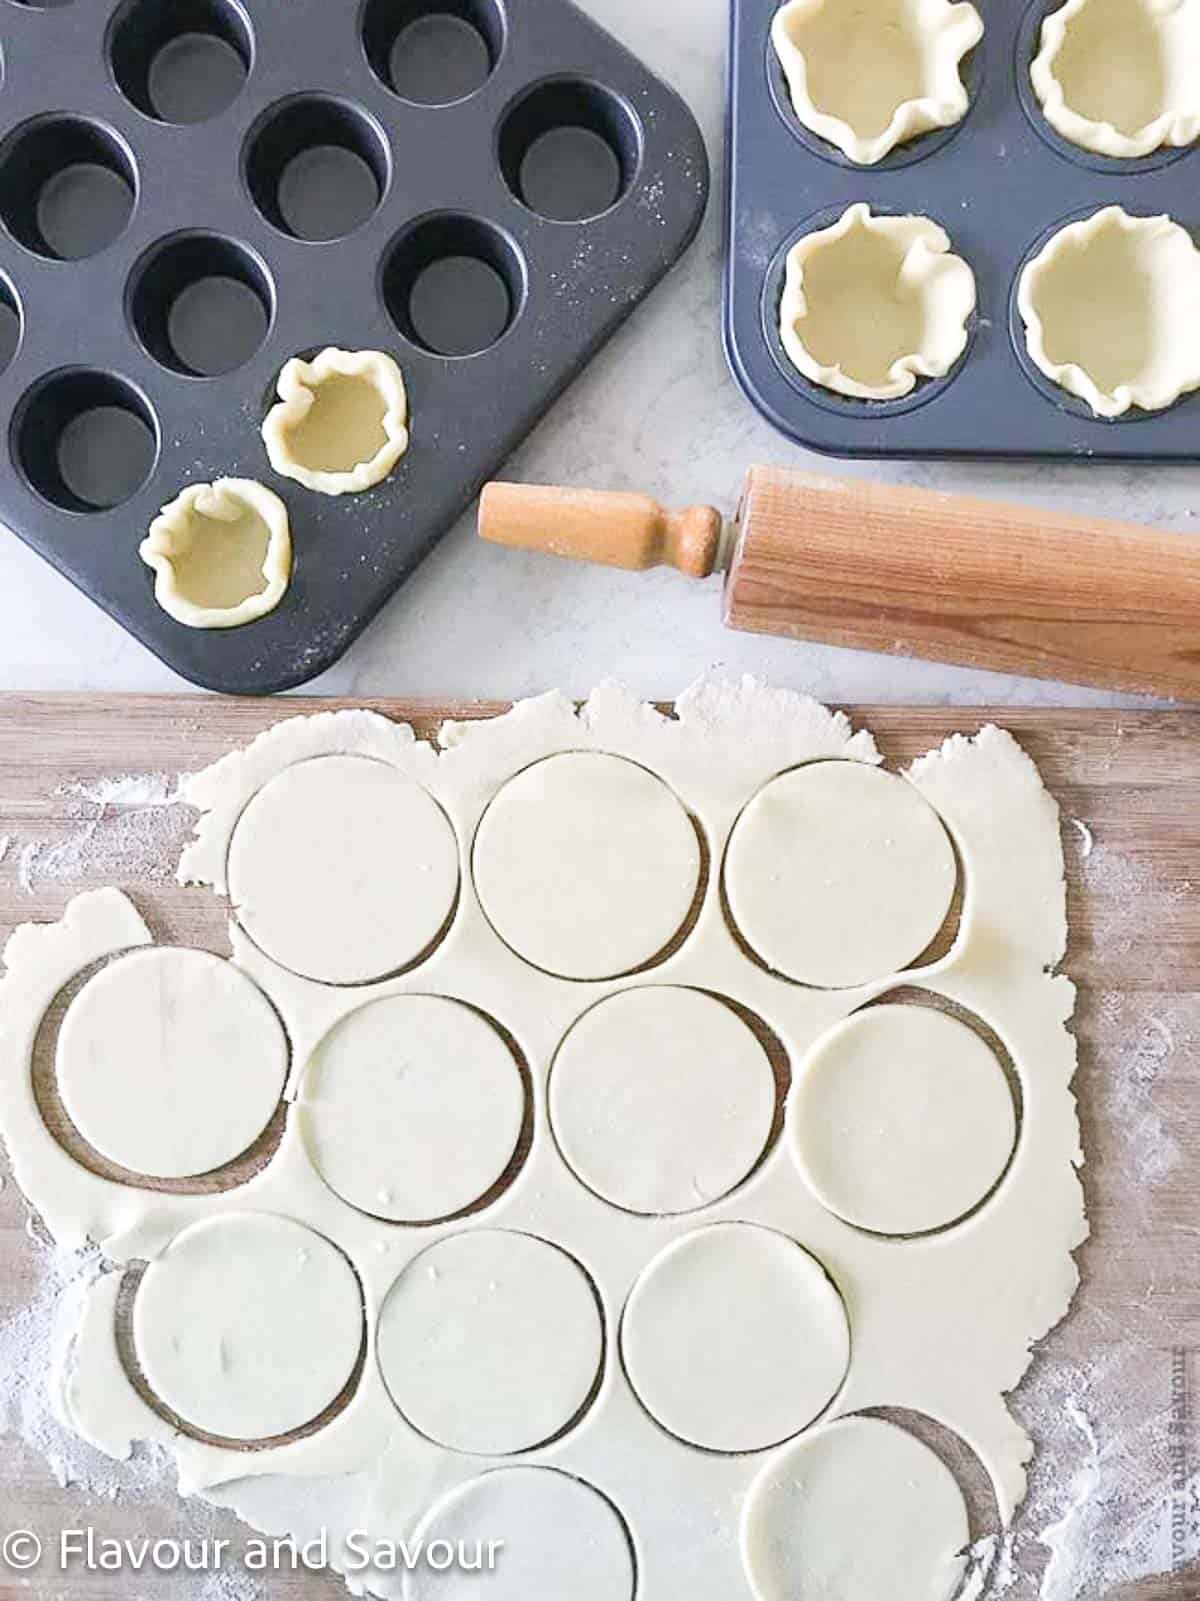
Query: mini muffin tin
1001	183
192	193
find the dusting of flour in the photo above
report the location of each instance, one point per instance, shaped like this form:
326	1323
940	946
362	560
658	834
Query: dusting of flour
130	825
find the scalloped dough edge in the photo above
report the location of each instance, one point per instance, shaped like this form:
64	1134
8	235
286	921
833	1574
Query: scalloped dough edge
221	501
959	31
1070	375
1173	128
297	387
929	263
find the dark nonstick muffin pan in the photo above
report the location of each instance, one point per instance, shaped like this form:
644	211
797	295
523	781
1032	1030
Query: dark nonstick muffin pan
191	193
1000	183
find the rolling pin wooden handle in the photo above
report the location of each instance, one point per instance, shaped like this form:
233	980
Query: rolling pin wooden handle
614	530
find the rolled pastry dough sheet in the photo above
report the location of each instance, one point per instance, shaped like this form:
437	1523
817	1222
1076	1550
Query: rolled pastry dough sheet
561	1539
662	1099
735	1338
491	1342
411	1108
838	874
248	1325
343	870
857	1510
171	1062
901	1119
586	865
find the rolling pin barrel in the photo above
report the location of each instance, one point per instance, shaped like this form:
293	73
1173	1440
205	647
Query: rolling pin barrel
907	571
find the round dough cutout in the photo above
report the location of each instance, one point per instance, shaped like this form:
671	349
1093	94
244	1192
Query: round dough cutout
901	1120
343	870
561	1538
735	1338
587	865
171	1062
248	1325
838	874
411	1108
490	1342
856	1510
662	1099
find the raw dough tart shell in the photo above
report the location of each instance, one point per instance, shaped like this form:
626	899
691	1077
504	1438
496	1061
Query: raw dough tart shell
202	587
362	463
873	303
1109	307
1077	89
874	78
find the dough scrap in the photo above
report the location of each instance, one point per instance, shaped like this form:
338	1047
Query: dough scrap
901	1119
871	304
341	424
248	1326
1121	77
411	1108
561	1538
490	1342
1109	311
856	1510
343	870
735	1338
586	865
662	1099
838	874
171	1062
875	76
221	554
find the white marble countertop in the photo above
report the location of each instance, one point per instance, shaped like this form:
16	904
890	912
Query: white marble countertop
658	412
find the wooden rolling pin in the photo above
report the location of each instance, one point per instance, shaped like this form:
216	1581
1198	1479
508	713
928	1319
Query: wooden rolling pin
906	571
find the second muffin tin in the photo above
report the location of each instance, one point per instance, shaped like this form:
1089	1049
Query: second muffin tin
1000	183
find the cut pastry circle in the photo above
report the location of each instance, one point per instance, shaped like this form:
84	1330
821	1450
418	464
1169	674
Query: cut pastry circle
171	1062
856	1510
586	865
248	1326
411	1108
901	1120
869	78
341	424
735	1338
662	1099
838	874
560	1538
1121	77
1108	306
221	554
343	870
873	303
491	1342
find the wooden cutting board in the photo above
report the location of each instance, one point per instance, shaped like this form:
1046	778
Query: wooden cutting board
1129	787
